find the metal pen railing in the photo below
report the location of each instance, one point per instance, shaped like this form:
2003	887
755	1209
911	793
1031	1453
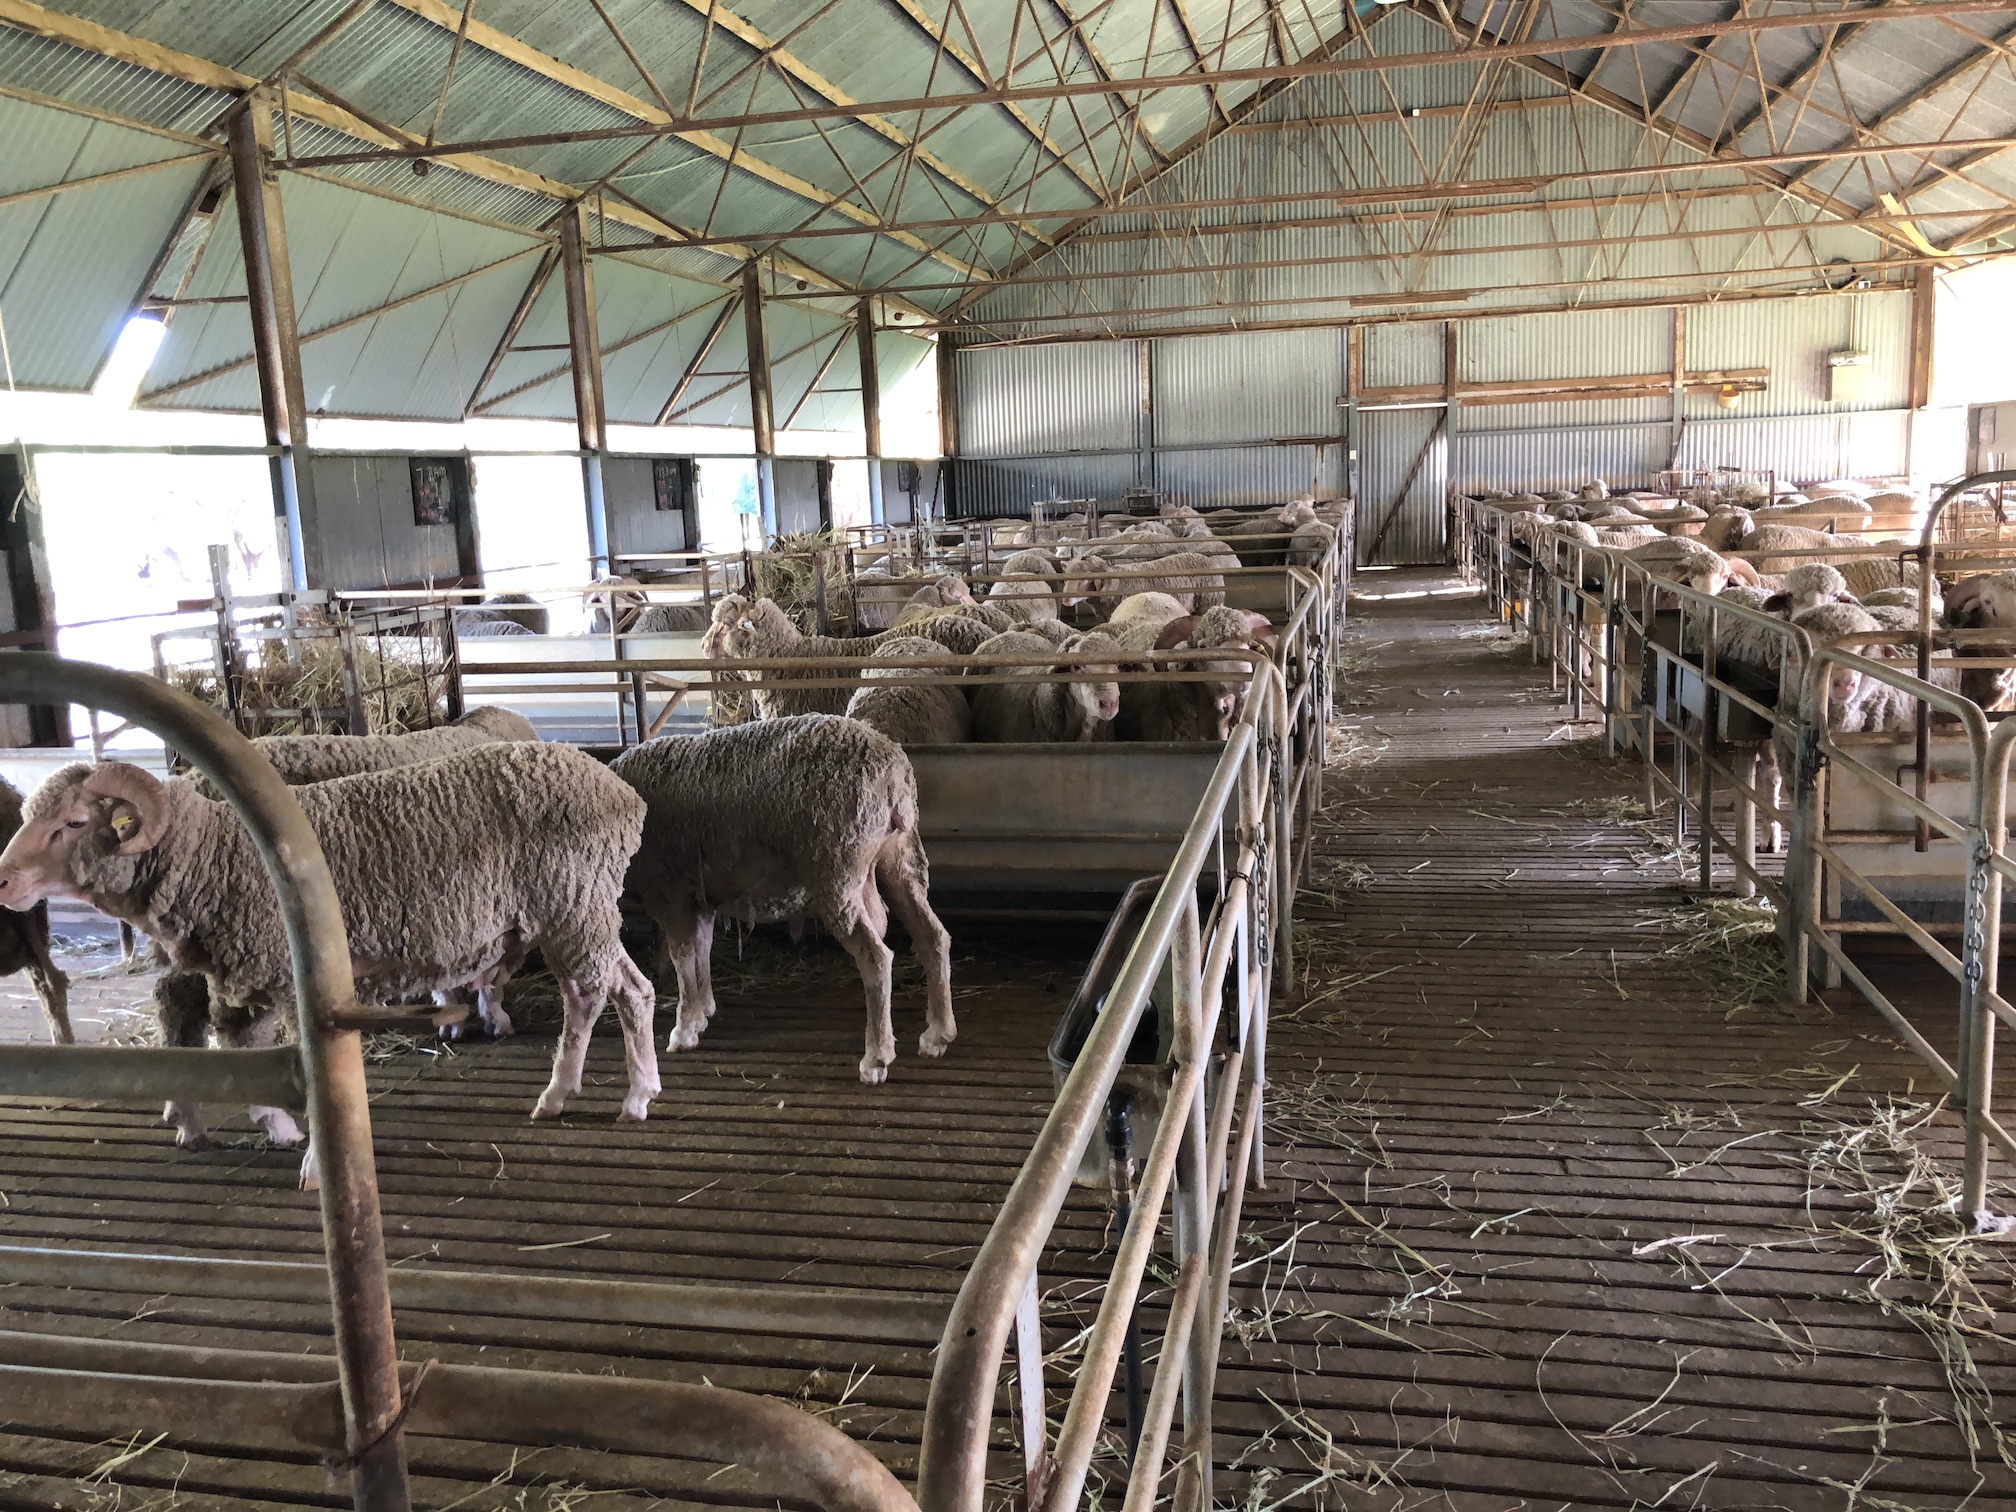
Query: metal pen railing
1196	1166
1684	702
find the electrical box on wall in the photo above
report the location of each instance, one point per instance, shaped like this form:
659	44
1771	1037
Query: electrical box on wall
1848	376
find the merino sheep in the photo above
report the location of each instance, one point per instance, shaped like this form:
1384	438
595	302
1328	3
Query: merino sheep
449	873
24	939
1683	560
1188	576
1027	600
908	712
807	814
317	758
1193	710
1808	587
758	628
516	609
1009	708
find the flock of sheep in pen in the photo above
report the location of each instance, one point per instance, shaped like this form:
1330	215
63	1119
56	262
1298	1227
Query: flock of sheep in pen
459	851
1775	558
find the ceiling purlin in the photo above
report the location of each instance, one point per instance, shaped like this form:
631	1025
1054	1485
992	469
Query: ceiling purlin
1354	29
1188	29
789	63
1679	134
1078	29
1040	133
1677	91
730	154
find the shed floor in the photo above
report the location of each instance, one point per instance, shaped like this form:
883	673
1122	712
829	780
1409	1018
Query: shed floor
1565	1223
1556	1220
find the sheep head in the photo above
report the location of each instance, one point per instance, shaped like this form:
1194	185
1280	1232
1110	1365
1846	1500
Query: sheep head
1725	527
1099	701
1813	584
76	827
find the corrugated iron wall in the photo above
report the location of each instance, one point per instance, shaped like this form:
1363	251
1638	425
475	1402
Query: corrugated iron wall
1236	418
1212	420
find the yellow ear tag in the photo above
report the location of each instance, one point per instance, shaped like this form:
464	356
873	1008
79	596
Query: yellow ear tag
123	827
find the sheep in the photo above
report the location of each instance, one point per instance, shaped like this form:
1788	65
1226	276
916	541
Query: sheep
806	814
1185	575
24	939
1625	537
1054	631
907	712
1986	601
1137	608
500	609
1009	708
1809	586
670	619
449	873
759	629
1683	560
1192	710
946	591
1906	596
317	758
1025	600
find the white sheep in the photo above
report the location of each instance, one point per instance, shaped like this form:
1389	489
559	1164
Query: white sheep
908	712
1010	708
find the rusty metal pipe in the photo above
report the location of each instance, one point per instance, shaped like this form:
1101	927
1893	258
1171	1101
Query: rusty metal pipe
332	1063
121	1073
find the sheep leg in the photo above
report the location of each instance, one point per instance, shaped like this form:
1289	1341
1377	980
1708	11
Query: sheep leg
689	946
490	1008
902	872
636	1000
254	1028
182	1009
872	959
571	1053
51	986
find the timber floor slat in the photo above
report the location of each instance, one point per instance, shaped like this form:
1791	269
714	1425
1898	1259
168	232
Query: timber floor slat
1562	1220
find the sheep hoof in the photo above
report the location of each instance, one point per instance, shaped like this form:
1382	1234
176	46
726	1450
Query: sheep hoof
931	1042
191	1139
310	1182
874	1072
682	1039
635	1110
550	1105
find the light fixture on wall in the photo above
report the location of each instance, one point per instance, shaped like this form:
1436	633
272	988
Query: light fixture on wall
1729	396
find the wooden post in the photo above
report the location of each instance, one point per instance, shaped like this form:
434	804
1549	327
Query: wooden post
584	359
1144	467
1449	381
276	346
1924	315
1354	380
948	424
762	415
871	406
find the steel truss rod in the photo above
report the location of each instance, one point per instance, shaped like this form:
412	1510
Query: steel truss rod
1386	195
1871	268
1537	47
1867	225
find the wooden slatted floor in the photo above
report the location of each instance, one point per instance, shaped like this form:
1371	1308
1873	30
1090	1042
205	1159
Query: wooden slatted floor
1565	1224
1500	1102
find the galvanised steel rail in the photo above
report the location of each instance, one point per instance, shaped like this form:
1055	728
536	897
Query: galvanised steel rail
1207	1144
1683	700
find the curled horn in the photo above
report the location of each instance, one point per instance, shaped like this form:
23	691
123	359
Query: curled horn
142	789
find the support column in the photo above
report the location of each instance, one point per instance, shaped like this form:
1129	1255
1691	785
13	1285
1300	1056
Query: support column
871	406
1144	466
1449	382
1679	417
761	412
1924	308
276	346
584	359
948	423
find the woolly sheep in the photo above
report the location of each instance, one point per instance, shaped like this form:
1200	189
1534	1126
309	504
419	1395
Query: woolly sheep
449	873
317	758
744	628
1187	576
24	939
1683	560
1008	708
521	610
802	815
1193	710
1808	587
905	711
1027	600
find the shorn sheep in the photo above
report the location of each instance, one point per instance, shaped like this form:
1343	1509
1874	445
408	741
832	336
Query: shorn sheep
909	712
449	874
773	820
24	939
1010	708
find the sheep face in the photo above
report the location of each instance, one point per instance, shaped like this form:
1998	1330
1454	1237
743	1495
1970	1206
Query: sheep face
1096	700
78	829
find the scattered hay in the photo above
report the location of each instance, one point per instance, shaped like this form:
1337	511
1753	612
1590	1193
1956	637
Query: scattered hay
1333	878
1496	638
393	687
1345	748
1731	947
